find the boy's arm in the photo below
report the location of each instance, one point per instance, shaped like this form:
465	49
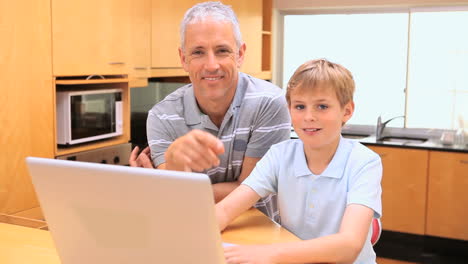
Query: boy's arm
238	201
343	247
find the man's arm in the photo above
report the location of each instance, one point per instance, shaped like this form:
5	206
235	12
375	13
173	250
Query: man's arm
222	189
195	151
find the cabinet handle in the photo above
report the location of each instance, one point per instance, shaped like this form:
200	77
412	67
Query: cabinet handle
116	63
140	68
97	75
464	161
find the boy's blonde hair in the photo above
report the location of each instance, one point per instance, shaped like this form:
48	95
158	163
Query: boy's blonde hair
322	73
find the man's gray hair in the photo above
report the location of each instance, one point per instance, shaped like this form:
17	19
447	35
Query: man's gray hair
213	10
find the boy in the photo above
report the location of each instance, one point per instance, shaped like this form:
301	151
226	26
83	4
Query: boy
328	187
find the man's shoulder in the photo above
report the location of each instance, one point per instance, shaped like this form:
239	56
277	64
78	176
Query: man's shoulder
173	101
260	94
255	85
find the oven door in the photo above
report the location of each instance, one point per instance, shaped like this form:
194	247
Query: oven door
95	115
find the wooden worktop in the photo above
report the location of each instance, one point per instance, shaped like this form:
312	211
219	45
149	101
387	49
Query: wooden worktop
19	245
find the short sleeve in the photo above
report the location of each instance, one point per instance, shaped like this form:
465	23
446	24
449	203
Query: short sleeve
365	186
272	126
264	177
159	137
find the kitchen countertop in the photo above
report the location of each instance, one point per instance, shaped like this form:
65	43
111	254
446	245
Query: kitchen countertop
429	143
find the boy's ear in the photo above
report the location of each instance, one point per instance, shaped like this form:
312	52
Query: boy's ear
348	111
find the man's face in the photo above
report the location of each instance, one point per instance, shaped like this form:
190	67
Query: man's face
212	59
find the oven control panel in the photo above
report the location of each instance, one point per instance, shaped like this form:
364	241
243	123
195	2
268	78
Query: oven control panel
117	155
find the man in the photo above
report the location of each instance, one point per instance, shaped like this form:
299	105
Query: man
224	121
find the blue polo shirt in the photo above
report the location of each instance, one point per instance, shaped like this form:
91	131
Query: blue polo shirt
311	205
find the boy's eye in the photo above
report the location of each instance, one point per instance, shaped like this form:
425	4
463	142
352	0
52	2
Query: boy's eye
322	107
299	107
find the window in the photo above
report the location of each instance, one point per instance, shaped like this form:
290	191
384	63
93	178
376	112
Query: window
422	74
438	69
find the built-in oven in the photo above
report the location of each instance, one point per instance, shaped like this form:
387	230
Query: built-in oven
88	115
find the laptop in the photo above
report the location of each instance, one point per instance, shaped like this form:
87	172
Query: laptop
99	213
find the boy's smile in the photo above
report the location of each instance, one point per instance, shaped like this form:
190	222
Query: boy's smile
311	131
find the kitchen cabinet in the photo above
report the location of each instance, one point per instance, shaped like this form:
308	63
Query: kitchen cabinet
140	43
267	29
404	184
249	13
166	18
165	40
447	203
91	37
26	100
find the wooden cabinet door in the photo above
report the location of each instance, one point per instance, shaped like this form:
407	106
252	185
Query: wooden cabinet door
140	42
90	37
26	98
165	39
166	18
404	184
447	206
249	13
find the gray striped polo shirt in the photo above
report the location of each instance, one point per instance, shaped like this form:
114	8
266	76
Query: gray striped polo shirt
257	118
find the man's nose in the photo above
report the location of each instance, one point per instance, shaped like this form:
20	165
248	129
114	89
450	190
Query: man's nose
212	63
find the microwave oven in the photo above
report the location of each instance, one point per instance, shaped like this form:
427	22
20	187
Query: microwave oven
88	115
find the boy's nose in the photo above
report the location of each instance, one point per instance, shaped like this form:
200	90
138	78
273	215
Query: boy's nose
310	115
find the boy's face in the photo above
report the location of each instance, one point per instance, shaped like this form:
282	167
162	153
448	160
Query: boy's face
317	116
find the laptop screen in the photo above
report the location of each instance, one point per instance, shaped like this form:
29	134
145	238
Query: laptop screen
99	213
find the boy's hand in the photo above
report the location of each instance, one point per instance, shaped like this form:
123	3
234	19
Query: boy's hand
251	254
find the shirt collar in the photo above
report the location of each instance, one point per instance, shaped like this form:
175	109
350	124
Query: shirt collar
192	112
335	168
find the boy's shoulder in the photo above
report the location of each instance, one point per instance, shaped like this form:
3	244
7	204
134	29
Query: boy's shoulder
289	144
361	152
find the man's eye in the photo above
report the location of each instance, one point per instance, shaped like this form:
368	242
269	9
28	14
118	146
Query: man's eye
197	52
299	107
223	51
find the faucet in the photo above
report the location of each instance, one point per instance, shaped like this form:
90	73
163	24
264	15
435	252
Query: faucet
381	126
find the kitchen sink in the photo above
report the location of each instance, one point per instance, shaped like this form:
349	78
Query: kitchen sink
354	136
404	140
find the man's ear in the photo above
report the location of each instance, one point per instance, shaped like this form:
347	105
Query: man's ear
183	61
240	55
348	111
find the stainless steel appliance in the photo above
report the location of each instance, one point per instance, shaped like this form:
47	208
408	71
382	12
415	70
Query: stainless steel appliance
118	155
88	115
